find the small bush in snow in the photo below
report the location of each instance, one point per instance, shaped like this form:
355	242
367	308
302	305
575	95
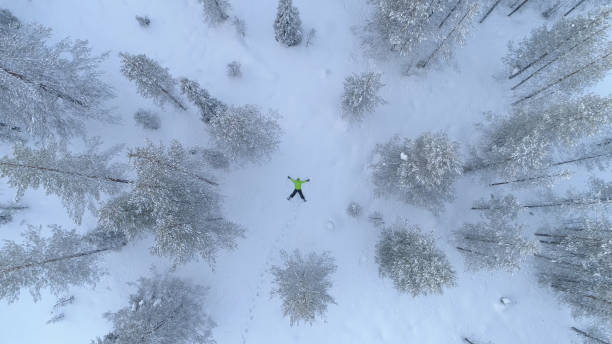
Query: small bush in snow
215	11
243	133
376	218
143	21
233	69
303	285
310	37
354	209
360	95
411	260
240	26
421	172
147	119
288	25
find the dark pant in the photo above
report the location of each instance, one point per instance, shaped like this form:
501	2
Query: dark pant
297	191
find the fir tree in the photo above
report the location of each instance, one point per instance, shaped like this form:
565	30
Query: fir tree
49	90
215	11
576	262
411	260
288	25
360	95
173	198
64	259
209	106
77	179
244	134
303	285
153	81
420	172
164	310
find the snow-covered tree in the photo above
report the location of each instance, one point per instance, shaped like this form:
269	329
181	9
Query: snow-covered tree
493	245
420	172
164	310
411	260
595	334
77	179
243	133
143	21
526	143
7	211
288	25
423	30
209	106
8	21
173	198
215	11
153	81
48	90
576	262
598	195
57	262
233	69
303	285
573	54
361	95
147	119
353	209
240	26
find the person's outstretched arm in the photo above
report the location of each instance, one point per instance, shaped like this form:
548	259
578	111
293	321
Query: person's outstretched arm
307	180
289	178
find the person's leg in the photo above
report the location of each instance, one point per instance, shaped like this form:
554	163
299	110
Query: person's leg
292	194
301	194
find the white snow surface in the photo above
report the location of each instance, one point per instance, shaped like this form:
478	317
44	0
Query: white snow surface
305	85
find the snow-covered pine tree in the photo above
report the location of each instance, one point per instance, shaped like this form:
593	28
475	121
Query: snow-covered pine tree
573	54
77	179
422	30
243	133
147	119
288	25
215	11
303	285
164	310
361	95
599	195
8	21
209	106
576	262
173	198
64	259
525	144
353	209
153	81
49	90
420	172
493	245
410	259
233	69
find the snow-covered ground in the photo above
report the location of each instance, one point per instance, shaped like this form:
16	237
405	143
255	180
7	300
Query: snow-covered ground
304	84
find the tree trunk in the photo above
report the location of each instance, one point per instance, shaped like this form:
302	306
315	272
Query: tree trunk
489	11
528	179
556	58
423	64
176	168
449	14
573	8
561	79
70	173
517	8
56	259
582	333
557	204
528	65
45	88
173	99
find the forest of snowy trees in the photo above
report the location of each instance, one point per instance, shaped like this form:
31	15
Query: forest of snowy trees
553	126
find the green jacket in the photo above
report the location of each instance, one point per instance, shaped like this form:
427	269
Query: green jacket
298	183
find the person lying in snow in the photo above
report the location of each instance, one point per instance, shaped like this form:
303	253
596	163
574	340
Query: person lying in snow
298	187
